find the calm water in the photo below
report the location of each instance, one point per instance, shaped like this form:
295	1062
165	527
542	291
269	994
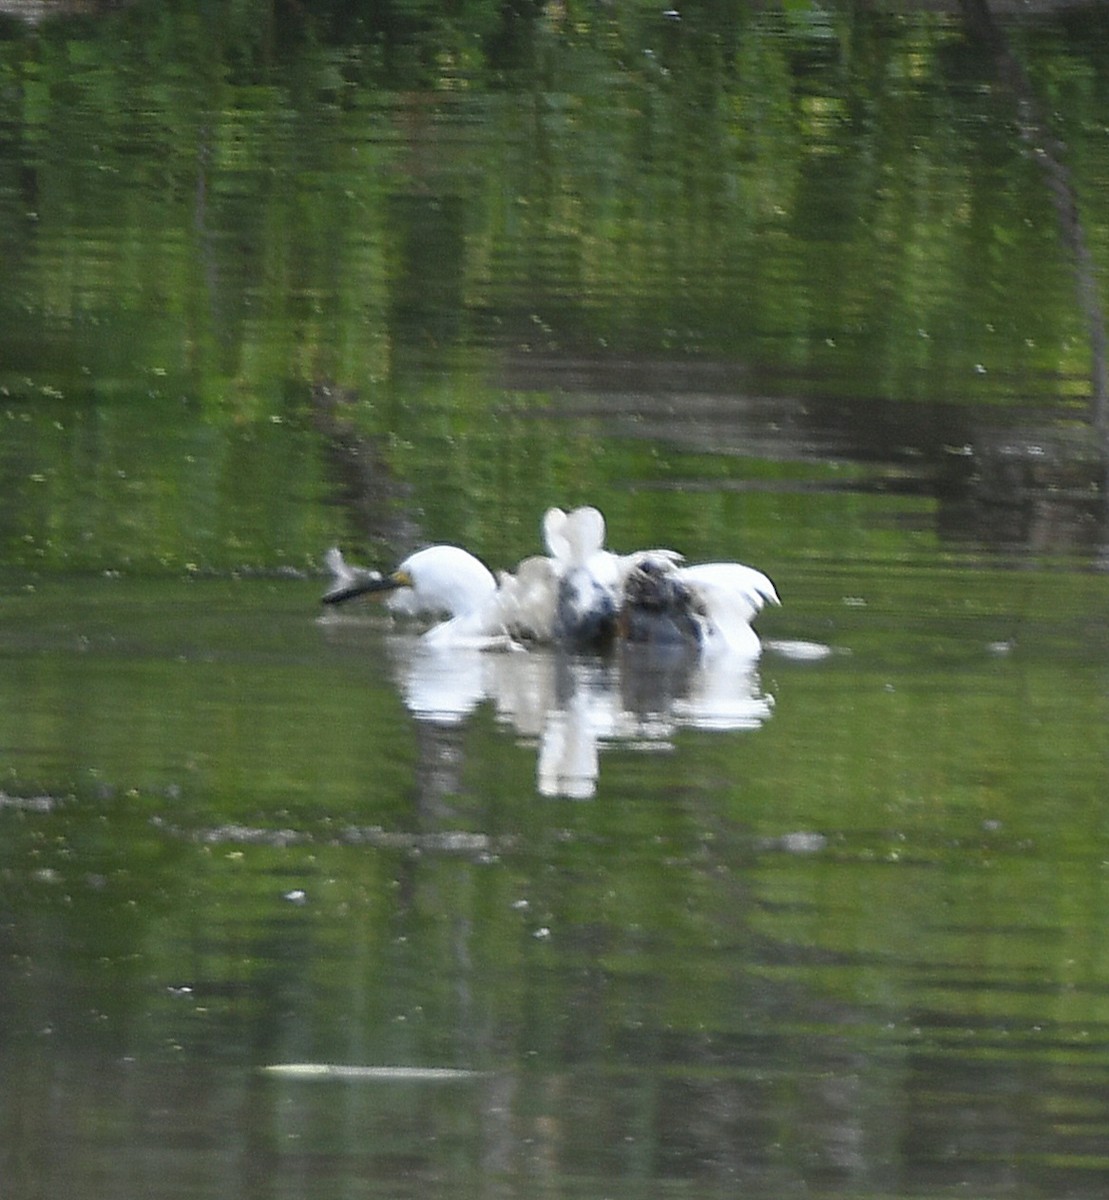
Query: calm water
853	946
817	289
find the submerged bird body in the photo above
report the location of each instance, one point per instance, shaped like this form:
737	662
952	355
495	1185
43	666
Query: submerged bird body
658	609
590	579
585	614
709	606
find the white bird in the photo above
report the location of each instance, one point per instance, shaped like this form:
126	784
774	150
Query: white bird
526	599
648	596
438	581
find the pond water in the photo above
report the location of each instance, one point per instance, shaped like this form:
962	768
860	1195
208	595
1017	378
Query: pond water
291	904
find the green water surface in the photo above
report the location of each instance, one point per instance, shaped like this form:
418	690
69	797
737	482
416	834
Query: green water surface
814	287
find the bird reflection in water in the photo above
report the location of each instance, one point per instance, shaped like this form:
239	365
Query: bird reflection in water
575	706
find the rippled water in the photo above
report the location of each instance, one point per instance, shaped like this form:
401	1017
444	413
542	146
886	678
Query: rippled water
290	903
851	941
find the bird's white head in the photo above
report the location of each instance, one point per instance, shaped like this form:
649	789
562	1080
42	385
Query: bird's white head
441	580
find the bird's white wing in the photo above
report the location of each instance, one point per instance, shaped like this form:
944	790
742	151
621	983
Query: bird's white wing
554	535
527	599
744	585
585	533
732	595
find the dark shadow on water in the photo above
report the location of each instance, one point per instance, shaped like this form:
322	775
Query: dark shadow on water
1020	478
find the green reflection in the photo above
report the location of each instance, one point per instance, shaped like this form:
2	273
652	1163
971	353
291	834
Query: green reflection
203	225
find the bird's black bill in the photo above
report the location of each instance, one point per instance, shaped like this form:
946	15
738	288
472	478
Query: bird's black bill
349	589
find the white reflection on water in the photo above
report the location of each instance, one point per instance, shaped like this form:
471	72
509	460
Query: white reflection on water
574	707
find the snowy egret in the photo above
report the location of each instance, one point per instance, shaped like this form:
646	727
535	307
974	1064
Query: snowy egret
448	582
438	581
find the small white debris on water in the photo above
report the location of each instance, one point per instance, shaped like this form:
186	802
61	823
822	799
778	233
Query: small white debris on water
803	842
800	651
385	1074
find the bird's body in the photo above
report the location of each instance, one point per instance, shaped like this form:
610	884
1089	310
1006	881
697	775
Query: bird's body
709	606
658	609
587	578
442	580
590	579
526	600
